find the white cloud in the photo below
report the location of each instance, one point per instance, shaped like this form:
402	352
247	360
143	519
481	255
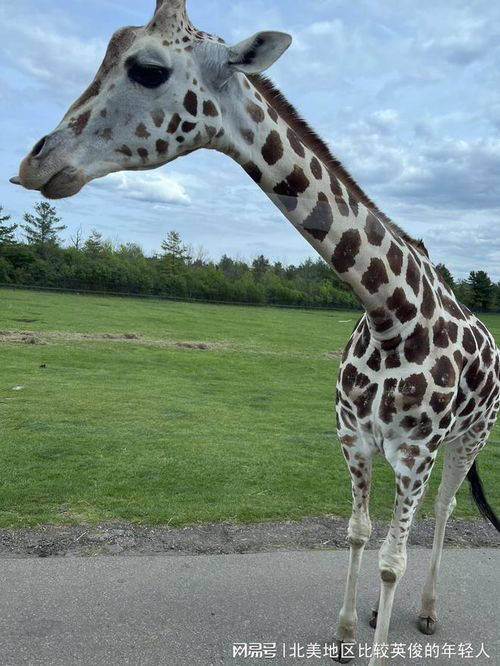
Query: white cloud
156	188
49	51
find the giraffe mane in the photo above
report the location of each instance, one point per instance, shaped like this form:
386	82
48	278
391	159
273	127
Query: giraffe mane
312	140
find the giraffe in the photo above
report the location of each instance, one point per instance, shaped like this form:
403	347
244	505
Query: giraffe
420	371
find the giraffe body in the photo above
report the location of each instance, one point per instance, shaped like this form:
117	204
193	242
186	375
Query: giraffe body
419	372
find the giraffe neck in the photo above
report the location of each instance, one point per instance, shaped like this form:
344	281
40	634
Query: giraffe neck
374	257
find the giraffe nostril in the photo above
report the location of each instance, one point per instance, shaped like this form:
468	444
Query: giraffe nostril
37	149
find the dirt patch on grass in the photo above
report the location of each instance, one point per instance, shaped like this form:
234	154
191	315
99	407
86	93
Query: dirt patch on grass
35	338
335	354
25	337
199	345
120	538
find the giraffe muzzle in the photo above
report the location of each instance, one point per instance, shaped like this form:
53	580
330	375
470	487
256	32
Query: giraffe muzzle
47	169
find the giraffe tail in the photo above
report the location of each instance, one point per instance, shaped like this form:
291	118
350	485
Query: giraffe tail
479	497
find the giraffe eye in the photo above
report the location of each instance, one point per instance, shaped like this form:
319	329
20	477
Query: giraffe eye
148	76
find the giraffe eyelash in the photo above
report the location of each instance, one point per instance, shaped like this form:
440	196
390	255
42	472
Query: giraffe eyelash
148	76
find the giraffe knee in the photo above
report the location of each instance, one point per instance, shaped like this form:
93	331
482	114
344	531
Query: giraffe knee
359	532
392	567
445	506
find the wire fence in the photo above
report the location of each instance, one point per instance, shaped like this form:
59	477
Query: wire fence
179	299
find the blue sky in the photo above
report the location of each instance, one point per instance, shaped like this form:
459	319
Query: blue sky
406	94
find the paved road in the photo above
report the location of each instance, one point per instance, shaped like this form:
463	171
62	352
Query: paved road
189	611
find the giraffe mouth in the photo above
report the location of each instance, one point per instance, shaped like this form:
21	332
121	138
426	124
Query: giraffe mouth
64	183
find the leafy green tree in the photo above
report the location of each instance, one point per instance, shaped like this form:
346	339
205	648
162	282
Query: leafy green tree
482	289
41	229
6	230
175	255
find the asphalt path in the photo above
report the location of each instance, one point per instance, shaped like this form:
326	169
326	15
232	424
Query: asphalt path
269	608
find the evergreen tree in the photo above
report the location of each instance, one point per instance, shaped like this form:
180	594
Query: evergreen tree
175	254
259	266
6	230
482	289
94	245
42	229
446	275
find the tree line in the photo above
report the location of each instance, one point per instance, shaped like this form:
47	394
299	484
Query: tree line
32	254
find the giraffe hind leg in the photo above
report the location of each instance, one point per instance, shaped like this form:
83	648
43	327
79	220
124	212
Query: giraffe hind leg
458	460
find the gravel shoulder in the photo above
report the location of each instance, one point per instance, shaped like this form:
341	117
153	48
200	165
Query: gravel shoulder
325	532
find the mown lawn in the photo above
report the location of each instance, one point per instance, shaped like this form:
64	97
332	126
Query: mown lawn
148	431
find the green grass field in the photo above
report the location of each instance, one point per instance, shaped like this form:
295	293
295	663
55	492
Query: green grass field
154	430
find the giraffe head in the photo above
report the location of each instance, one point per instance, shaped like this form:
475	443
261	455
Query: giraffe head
160	93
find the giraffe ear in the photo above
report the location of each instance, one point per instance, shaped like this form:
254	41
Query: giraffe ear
257	53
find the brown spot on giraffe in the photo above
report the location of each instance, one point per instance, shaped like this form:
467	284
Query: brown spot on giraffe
452	307
79	123
387	408
336	189
395	259
209	109
374	229
142	132
417	345
272	150
428	305
161	147
402	308
272	114
288	190
365	400
468	341
440	401
413	390
423	429
248	136
375	276
413	275
381	320
188	127
320	220
316	168
191	103
353	204
440	336
362	343
474	376
255	112
346	251
253	171
143	154
125	150
158	116
174	123
443	372
296	145
374	361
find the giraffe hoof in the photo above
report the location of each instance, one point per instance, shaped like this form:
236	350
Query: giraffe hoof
427	625
373	620
344	652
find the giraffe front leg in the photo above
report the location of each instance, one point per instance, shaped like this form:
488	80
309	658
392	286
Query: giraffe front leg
392	555
358	534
